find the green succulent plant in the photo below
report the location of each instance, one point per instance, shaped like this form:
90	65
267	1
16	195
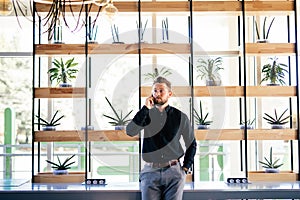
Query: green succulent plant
156	73
275	119
270	163
141	30
208	69
118	119
165	30
115	34
62	165
63	71
248	122
199	119
52	122
265	31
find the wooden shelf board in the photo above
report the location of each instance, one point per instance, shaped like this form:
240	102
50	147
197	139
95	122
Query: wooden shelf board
178	91
216	53
67	92
265	6
79	136
281	176
251	91
209	134
67	49
183	6
229	91
253	134
270	48
49	177
161	48
219	134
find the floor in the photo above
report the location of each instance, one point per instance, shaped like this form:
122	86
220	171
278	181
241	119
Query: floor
24	189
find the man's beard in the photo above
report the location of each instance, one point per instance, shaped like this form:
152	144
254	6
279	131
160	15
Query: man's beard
156	102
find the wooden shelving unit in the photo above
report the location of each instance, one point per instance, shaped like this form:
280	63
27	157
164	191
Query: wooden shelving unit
178	7
198	6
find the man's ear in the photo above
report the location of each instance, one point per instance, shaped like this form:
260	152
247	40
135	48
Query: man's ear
170	93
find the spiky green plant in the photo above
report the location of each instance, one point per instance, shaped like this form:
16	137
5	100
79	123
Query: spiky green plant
269	163
142	30
165	29
248	122
62	166
52	122
277	120
115	34
199	119
118	120
63	71
162	72
266	32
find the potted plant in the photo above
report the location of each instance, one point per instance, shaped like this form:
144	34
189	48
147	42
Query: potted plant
274	72
165	30
270	164
277	122
115	34
141	31
92	31
119	122
57	33
61	168
63	72
266	31
162	72
248	124
49	125
208	69
201	121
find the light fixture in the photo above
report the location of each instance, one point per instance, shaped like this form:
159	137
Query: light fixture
110	11
59	7
100	2
6	7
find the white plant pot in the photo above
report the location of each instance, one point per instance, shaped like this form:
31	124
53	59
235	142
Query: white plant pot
272	84
48	128
263	41
120	127
65	85
200	126
271	170
89	127
60	172
213	82
248	127
277	126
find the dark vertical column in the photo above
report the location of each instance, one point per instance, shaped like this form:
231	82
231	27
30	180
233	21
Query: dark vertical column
245	82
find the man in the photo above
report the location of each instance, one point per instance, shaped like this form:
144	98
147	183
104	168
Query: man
163	177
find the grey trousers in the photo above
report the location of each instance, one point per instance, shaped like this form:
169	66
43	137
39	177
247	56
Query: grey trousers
162	183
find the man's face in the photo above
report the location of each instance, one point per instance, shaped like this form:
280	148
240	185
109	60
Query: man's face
160	93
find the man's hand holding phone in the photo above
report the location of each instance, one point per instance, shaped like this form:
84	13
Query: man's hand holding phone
150	102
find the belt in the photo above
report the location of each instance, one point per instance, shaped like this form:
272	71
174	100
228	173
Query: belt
162	165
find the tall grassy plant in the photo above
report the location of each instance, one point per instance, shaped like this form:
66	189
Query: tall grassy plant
265	31
63	71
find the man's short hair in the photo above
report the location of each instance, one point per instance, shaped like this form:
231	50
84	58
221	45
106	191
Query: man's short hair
160	79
